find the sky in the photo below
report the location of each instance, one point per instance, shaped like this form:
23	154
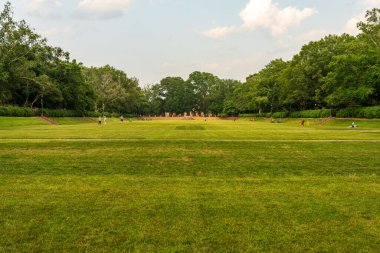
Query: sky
153	39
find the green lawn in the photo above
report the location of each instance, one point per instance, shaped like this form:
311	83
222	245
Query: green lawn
12	128
189	186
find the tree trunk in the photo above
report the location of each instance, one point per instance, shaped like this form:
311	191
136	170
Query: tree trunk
34	101
27	95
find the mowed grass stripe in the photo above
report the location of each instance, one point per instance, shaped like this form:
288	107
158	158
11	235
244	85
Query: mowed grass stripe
156	214
184	140
11	128
190	158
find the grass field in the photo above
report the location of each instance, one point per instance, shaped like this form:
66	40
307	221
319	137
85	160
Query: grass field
189	186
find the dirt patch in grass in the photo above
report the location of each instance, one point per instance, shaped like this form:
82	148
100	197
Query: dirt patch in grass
212	152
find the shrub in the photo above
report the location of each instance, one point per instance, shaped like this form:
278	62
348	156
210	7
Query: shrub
60	113
346	113
93	114
222	115
323	113
359	112
255	115
14	111
280	114
17	111
370	112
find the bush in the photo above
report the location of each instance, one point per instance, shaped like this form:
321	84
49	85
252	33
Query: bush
280	114
255	115
17	111
359	112
93	114
346	113
14	111
60	113
368	112
223	115
323	113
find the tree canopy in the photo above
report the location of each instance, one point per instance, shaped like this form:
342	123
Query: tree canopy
337	71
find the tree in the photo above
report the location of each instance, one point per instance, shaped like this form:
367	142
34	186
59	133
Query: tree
114	90
154	103
172	91
371	28
353	80
31	70
261	91
203	83
77	94
21	52
221	91
304	78
270	83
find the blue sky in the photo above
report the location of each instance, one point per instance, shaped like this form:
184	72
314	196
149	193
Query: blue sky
153	39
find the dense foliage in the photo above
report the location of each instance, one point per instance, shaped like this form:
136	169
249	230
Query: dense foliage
334	73
34	74
114	90
201	92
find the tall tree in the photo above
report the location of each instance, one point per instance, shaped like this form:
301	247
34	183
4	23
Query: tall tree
203	83
115	91
172	91
221	91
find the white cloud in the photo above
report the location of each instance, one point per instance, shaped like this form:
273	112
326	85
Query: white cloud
371	3
236	68
43	8
351	25
103	8
350	28
312	35
219	32
267	15
59	32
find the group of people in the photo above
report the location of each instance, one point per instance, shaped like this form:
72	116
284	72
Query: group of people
100	120
105	119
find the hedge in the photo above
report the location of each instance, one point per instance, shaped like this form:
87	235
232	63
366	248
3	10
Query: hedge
61	113
17	111
255	115
280	115
14	111
323	113
359	112
351	112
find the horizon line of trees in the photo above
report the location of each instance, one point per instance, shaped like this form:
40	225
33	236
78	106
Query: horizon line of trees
338	71
34	74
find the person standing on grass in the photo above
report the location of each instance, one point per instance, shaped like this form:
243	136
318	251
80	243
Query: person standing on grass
99	120
122	118
105	119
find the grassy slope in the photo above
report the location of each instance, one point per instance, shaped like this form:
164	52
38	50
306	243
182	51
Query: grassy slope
189	195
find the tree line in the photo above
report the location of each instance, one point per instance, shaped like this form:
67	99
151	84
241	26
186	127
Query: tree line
338	71
34	74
